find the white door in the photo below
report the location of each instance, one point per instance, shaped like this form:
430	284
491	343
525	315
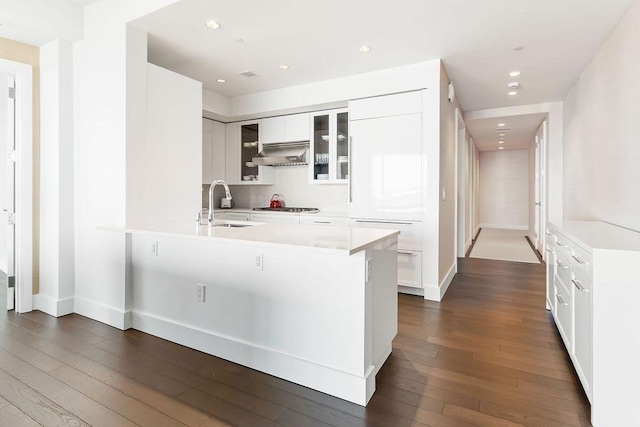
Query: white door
7	170
538	204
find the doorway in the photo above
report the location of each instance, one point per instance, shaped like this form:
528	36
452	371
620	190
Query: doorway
16	177
7	199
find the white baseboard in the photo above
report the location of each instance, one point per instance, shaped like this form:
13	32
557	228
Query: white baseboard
475	232
102	313
345	385
52	306
436	293
505	226
411	291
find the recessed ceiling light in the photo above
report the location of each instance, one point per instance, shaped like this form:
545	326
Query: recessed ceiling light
501	148
515	73
500	142
364	48
502	135
513	93
501	124
283	67
212	24
221	81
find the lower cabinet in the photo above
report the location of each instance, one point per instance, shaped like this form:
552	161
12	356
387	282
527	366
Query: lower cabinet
232	216
324	220
409	249
275	218
595	282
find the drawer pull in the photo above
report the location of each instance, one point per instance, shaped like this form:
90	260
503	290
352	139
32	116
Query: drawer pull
562	265
579	260
406	253
579	286
383	222
562	245
548	233
322	222
561	300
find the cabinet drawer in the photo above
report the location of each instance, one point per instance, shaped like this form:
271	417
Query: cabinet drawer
564	315
563	268
580	259
410	268
582	328
324	220
410	237
563	245
275	218
231	216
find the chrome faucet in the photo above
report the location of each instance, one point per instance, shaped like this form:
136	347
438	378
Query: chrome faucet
227	195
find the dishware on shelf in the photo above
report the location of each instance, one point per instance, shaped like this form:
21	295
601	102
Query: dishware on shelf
322	176
250	164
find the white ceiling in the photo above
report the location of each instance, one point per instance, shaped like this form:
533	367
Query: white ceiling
37	22
320	40
522	133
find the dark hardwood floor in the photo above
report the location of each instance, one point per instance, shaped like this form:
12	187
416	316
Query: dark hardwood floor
488	355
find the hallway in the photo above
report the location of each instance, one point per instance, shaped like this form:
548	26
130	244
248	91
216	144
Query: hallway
487	355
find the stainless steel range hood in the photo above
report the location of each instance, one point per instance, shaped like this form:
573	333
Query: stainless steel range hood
283	154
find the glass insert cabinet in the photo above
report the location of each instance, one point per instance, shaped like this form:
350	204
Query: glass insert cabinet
329	160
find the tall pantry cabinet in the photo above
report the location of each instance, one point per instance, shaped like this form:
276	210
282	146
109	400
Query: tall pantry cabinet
386	175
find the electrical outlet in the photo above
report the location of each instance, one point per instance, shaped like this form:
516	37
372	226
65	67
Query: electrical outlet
200	292
253	199
154	248
258	262
259	199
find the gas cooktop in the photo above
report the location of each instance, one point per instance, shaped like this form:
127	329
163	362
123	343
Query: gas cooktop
294	210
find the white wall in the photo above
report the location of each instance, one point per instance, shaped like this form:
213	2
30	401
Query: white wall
56	180
601	150
172	161
292	182
108	115
504	189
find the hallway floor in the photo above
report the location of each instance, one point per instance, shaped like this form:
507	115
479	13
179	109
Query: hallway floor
503	245
489	354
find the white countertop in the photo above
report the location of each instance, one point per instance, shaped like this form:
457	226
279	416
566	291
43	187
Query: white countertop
336	240
601	235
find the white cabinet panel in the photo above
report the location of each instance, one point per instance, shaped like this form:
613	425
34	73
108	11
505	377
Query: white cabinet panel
564	313
410	232
207	151
272	130
232	160
296	127
275	218
324	220
231	216
386	167
388	105
582	337
410	268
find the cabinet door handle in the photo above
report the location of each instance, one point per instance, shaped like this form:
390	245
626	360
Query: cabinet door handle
579	260
562	265
548	233
406	253
562	245
366	221
322	222
350	168
579	286
561	300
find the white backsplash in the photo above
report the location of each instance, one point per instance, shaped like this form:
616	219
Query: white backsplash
292	184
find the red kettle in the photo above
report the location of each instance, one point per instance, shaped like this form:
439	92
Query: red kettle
275	201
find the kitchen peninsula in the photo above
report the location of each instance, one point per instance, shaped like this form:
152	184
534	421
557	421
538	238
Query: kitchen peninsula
310	304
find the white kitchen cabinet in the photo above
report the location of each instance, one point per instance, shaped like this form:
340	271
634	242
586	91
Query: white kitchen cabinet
602	291
313	219
294	127
388	105
231	216
283	218
329	148
386	167
213	151
409	249
551	270
242	145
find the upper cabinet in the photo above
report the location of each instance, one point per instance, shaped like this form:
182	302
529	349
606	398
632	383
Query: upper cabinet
290	128
242	144
213	151
329	151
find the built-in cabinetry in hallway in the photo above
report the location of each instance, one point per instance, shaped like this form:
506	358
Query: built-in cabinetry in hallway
593	289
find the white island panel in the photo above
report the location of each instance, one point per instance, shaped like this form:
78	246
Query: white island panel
308	316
